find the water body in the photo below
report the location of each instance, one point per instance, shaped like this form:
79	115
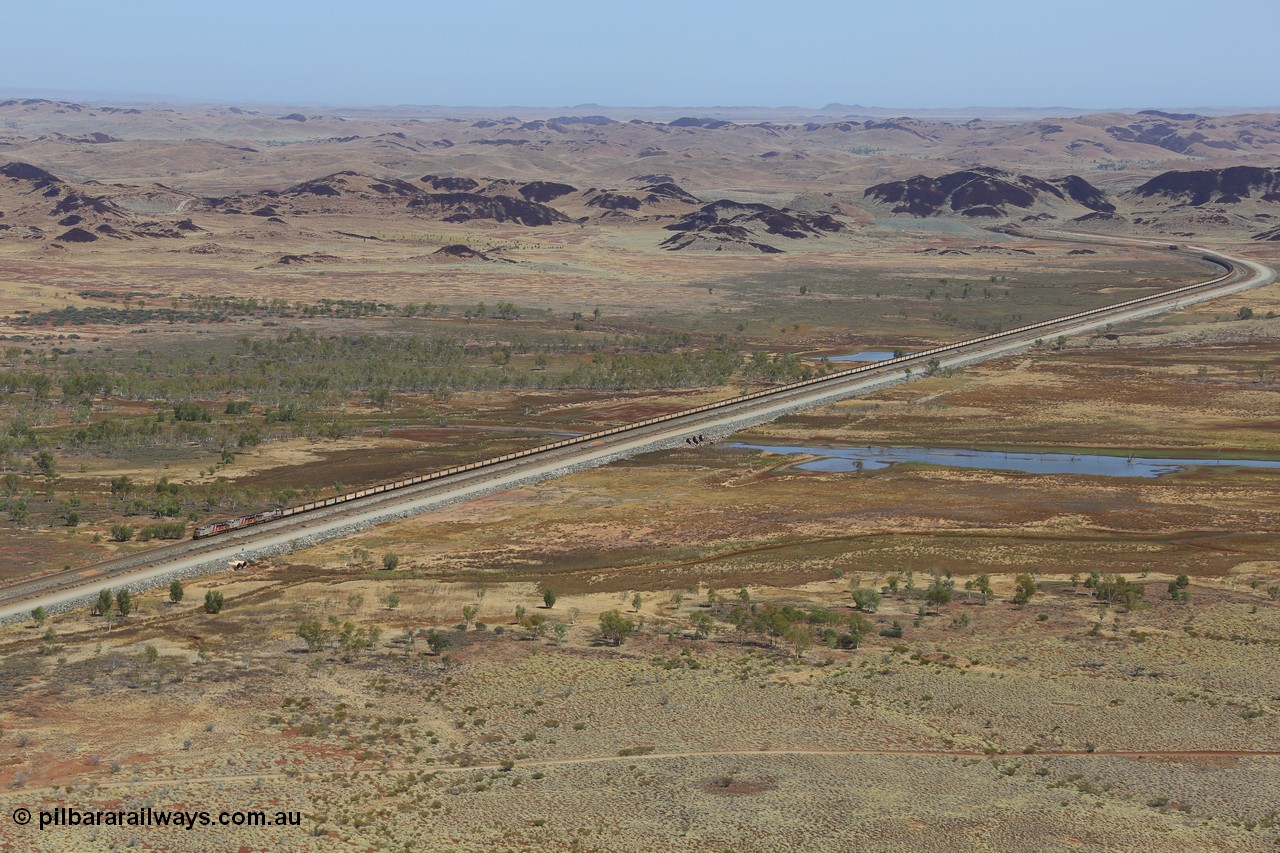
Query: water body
845	459
865	355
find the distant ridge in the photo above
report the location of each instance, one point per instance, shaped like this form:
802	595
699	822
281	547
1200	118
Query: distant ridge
565	114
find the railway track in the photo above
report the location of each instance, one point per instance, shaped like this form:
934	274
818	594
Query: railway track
336	516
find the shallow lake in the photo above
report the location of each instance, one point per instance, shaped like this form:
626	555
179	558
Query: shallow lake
865	355
872	458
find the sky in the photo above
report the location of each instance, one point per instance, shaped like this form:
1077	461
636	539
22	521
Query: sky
908	53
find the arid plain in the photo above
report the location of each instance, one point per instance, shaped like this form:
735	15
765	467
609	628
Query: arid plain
214	311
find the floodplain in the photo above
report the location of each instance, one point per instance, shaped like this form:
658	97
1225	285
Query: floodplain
703	648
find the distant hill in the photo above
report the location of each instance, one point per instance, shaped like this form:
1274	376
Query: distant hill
465	207
39	206
544	191
989	193
459	252
664	197
354	185
1213	186
1231	200
734	226
353	193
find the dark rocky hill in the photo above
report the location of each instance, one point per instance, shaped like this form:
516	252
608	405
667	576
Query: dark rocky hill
462	252
1217	186
726	224
355	193
545	191
348	184
36	204
669	190
988	192
466	207
451	185
35	176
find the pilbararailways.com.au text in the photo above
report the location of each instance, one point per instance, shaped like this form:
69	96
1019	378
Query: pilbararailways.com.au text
63	816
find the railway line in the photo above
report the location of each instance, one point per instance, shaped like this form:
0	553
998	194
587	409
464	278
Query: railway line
332	517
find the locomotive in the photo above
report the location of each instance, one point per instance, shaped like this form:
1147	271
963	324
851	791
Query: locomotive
236	523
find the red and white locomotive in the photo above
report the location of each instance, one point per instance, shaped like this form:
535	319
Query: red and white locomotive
236	523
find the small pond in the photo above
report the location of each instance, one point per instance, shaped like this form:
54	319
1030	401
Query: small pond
872	458
865	355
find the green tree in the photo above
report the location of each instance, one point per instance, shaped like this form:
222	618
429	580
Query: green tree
46	464
50	642
390	561
894	630
176	591
40	386
982	583
314	634
799	637
856	628
1115	589
103	607
38	616
549	597
124	602
213	601
614	627
437	641
1024	586
190	412
121	532
352	640
392	601
866	600
636	601
939	592
702	625
469	613
19	511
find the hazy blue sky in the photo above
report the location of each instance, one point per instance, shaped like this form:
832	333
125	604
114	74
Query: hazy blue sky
909	53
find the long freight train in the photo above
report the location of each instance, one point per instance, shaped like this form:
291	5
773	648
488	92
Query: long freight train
272	515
